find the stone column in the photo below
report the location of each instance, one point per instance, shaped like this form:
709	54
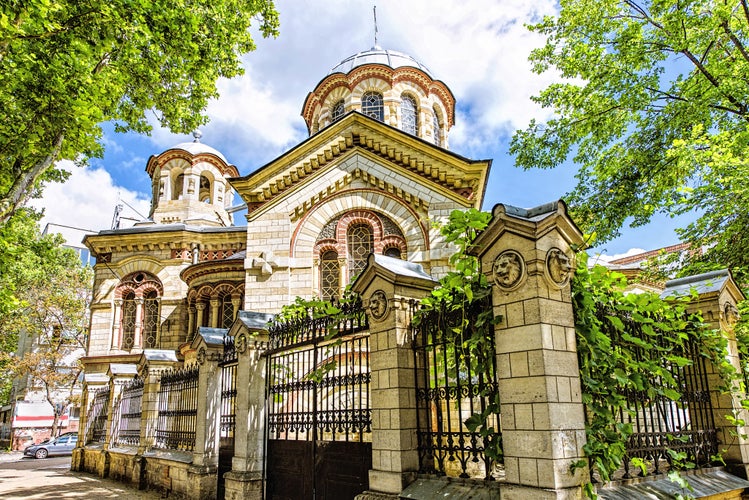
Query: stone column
138	335
245	480
215	313
200	306
202	473
190	323
387	293
527	255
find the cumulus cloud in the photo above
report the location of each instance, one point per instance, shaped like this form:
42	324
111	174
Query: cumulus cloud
87	200
602	257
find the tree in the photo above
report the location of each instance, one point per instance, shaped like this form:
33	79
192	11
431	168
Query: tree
68	66
44	312
654	108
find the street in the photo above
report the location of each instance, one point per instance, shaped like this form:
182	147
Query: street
51	478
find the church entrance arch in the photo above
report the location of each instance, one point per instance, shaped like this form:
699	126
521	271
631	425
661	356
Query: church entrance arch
319	418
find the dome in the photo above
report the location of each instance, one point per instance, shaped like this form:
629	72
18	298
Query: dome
196	147
378	55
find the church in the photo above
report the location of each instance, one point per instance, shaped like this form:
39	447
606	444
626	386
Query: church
374	175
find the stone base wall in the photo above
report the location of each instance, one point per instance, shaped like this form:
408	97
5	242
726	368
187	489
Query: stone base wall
177	479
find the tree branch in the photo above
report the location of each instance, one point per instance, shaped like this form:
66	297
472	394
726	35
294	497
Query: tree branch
21	188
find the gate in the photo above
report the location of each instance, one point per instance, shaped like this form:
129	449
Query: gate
319	417
227	419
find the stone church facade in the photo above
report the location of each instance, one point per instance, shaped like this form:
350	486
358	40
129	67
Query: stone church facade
373	177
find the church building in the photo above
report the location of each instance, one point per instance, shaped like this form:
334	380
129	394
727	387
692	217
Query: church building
374	176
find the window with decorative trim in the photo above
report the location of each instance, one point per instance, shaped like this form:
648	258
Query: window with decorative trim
409	118
330	275
344	243
227	311
150	319
372	105
337	111
138	297
360	244
437	132
129	310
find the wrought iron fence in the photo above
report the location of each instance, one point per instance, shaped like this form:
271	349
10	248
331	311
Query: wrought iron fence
662	427
228	390
96	426
317	324
126	419
178	410
449	390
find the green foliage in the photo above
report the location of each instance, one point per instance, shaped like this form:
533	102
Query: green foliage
68	66
465	290
614	361
653	107
44	304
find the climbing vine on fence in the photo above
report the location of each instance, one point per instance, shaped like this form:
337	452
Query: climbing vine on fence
633	363
463	287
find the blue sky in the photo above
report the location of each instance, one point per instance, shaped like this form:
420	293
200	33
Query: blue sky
478	48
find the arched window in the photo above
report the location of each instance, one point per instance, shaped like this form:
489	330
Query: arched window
226	317
140	314
360	243
150	319
205	189
409	119
371	105
393	252
437	136
337	111
178	188
129	308
330	275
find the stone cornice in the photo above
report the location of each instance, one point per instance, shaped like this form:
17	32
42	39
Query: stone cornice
458	178
190	274
155	240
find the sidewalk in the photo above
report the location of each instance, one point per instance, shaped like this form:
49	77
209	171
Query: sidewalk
27	478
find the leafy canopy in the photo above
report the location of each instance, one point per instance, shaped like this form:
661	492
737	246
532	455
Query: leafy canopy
653	108
68	66
44	297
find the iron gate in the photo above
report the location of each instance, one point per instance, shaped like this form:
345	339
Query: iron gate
227	419
319	417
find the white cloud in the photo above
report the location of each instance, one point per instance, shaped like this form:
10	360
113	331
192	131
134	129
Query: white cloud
601	257
87	200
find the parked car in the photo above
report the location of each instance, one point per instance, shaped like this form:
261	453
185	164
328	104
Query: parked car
61	445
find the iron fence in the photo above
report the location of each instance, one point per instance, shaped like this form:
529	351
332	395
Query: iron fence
228	390
667	433
96	425
126	419
178	410
316	324
449	390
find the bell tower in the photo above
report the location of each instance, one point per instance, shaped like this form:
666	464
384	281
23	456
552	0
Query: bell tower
189	185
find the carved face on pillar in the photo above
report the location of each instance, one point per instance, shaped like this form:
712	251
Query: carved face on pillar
559	266
508	269
378	305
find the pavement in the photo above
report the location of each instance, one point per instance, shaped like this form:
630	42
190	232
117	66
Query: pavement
51	478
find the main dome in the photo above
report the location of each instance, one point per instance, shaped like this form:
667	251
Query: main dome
378	55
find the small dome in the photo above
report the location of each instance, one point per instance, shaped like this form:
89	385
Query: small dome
378	55
196	147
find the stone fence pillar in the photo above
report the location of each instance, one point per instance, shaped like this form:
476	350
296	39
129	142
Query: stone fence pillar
153	363
387	287
245	480
209	346
717	299
527	255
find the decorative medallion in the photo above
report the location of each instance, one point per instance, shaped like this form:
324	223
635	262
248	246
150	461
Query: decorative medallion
508	269
201	355
378	305
558	266
730	314
240	343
